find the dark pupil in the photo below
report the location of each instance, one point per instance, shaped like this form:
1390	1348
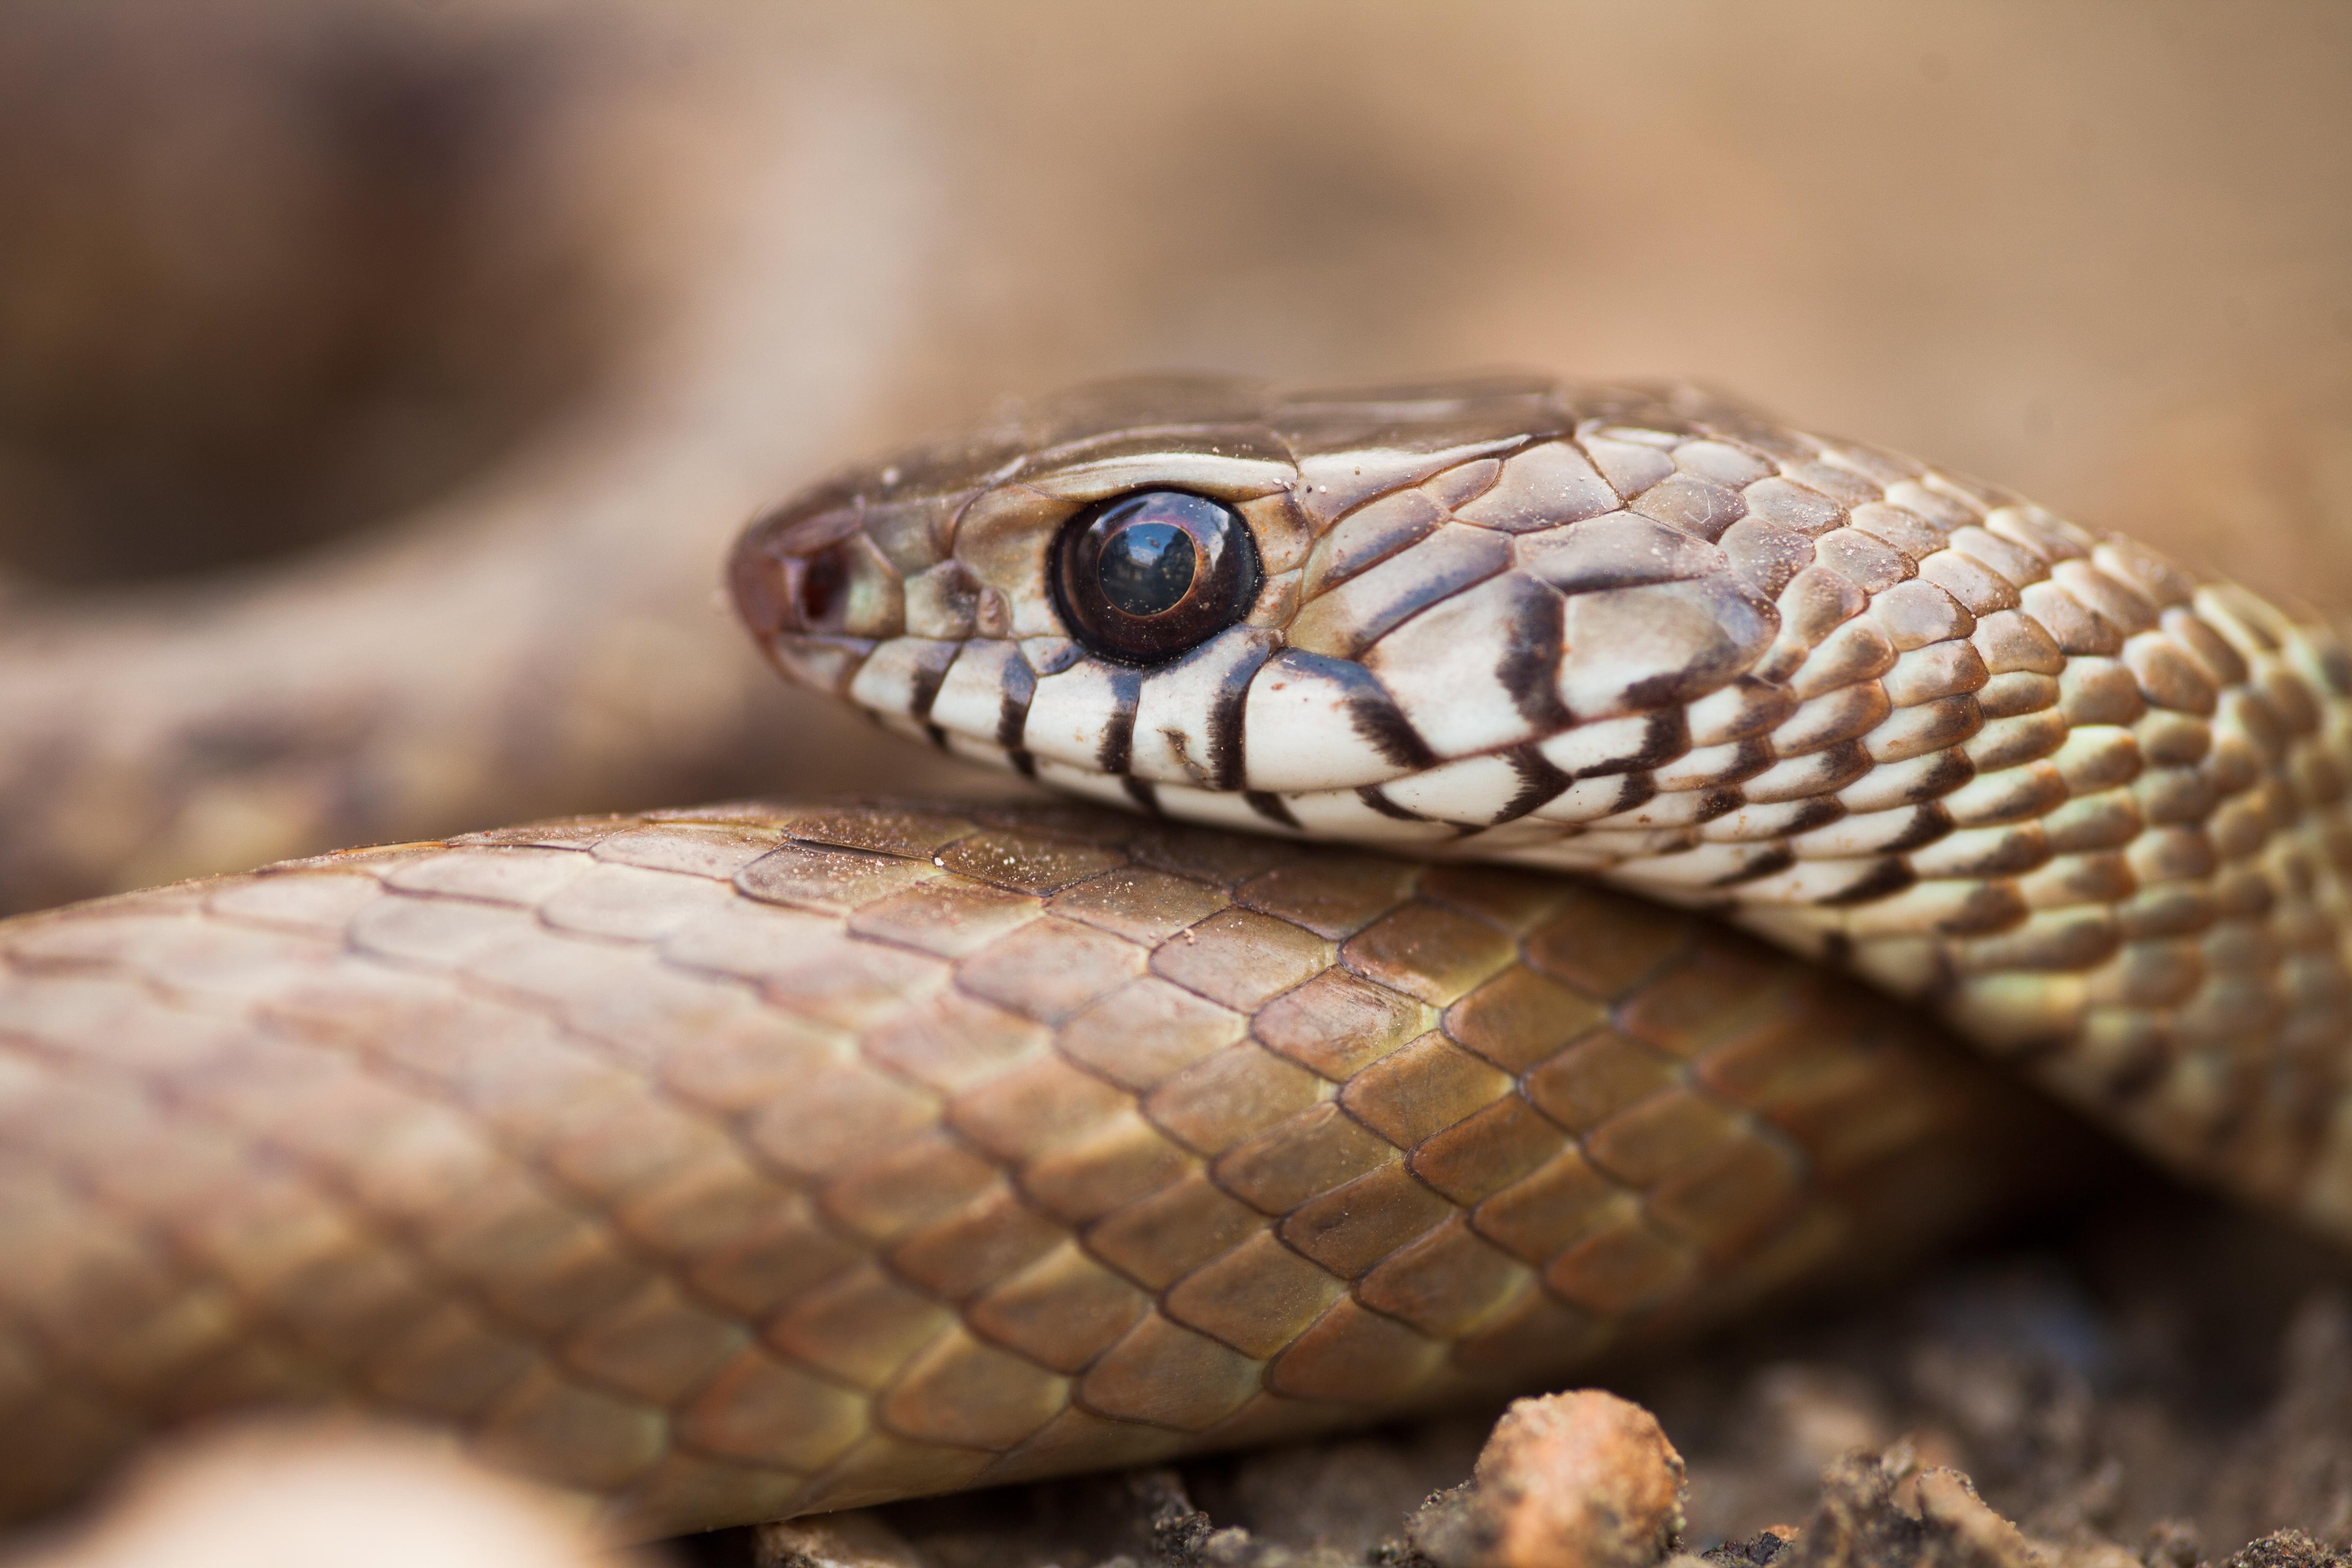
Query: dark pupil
1139	578
1147	568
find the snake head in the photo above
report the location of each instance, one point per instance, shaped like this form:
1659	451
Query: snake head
1873	712
1643	633
1229	601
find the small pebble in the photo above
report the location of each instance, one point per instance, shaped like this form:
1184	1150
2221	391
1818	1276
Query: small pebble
1583	1479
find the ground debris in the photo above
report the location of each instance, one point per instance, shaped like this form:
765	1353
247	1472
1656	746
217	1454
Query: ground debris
1863	1522
1582	1479
2166	1388
2289	1549
1767	1546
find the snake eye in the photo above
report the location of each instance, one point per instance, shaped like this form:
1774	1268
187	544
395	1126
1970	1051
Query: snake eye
1141	577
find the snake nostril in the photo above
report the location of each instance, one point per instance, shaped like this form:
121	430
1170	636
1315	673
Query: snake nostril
824	593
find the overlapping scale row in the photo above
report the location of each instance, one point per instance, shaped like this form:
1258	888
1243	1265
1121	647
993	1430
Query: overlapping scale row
2094	809
763	1159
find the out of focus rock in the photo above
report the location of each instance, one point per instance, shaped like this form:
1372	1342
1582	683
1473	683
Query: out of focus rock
1582	1479
303	1494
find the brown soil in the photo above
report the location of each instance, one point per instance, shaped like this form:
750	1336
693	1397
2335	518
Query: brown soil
2154	1379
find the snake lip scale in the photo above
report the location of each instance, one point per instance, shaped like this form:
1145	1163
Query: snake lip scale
720	1164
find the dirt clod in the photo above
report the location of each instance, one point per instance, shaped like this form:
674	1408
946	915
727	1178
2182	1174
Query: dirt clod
1766	1547
2289	1549
1583	1479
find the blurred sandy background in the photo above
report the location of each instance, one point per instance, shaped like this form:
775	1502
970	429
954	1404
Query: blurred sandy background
379	379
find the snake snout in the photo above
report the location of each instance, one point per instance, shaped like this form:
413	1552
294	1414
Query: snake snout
804	595
812	587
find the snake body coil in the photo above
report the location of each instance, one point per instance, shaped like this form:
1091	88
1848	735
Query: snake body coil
728	1163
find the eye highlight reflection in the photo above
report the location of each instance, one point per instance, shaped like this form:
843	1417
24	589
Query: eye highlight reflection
1143	577
1147	568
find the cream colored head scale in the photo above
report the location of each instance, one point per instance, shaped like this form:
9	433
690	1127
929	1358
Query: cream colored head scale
2092	809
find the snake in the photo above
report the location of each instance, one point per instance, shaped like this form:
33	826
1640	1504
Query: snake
1535	868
